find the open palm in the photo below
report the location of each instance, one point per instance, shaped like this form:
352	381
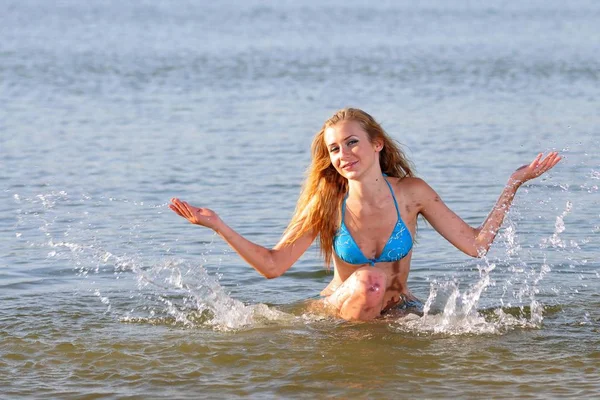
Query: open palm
537	167
198	216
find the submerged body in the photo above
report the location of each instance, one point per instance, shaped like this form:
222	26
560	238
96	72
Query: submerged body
361	200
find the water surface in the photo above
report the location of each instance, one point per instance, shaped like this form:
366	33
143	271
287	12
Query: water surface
112	108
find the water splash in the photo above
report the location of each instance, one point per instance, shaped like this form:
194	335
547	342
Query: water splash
559	227
452	311
168	291
133	287
511	239
194	298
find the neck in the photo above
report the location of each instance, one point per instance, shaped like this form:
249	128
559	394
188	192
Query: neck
370	189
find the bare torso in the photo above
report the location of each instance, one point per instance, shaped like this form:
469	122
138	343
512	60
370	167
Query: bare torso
371	229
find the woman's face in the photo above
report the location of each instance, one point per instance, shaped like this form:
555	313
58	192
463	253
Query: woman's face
350	151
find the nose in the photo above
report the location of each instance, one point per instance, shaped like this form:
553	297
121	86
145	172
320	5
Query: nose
345	151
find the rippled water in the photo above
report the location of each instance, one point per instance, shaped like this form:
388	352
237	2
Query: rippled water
112	108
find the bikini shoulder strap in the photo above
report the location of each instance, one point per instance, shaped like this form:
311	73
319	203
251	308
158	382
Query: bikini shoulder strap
393	196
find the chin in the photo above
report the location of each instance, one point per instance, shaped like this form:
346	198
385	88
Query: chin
351	175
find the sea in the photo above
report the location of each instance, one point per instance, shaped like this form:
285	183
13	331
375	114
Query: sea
108	109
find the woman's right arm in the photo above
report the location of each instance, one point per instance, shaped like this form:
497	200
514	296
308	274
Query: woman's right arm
270	263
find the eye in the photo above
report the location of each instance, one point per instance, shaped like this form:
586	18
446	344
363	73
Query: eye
333	149
351	142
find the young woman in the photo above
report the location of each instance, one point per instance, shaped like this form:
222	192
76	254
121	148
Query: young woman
362	200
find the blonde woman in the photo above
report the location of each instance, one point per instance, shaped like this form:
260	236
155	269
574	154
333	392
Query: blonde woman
362	200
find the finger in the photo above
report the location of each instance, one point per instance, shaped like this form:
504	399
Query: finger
536	167
176	210
175	201
183	213
535	162
552	155
547	160
554	161
189	209
183	209
557	160
552	158
550	161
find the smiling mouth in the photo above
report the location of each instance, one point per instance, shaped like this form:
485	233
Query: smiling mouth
349	165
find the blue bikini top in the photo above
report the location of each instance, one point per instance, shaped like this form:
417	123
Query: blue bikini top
397	247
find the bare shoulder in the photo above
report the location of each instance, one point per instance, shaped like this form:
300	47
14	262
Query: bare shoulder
415	192
414	188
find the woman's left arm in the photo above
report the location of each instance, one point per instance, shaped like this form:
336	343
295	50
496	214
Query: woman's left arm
477	241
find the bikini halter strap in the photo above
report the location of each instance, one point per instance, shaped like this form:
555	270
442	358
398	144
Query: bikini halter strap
391	191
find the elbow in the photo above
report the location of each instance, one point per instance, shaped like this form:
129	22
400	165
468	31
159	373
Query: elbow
272	270
271	275
477	252
480	245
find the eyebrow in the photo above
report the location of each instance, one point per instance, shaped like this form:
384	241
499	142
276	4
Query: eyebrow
343	140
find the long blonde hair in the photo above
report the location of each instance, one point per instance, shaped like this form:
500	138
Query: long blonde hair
319	206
